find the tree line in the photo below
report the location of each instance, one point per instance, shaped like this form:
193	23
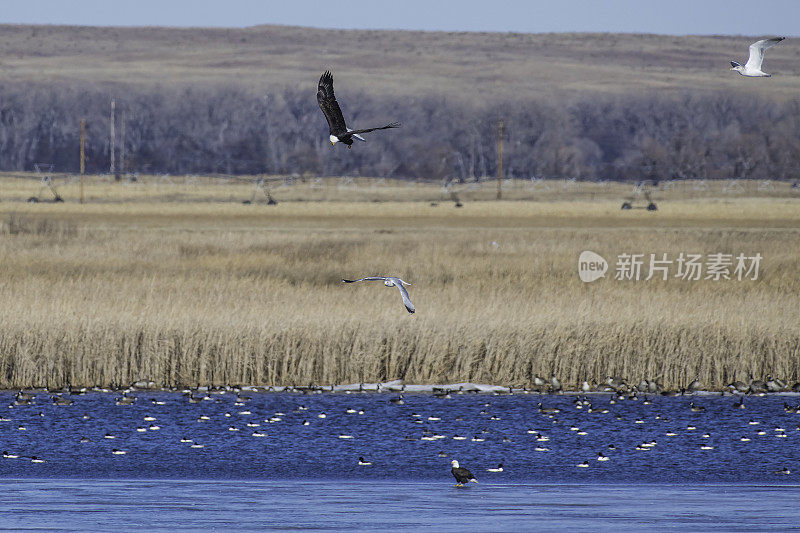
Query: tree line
230	130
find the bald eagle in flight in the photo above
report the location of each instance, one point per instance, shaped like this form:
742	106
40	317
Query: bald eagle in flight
339	132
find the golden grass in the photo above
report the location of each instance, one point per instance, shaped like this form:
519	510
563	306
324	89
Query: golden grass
153	189
218	292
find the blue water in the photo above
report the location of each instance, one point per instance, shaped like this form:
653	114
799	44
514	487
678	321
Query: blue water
307	477
105	505
291	450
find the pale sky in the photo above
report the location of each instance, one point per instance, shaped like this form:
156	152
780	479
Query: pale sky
680	17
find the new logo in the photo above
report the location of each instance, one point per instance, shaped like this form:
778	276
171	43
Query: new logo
591	266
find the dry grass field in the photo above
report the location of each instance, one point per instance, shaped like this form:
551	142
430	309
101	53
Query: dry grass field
194	287
101	189
465	66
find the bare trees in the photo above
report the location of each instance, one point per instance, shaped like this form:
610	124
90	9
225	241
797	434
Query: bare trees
227	129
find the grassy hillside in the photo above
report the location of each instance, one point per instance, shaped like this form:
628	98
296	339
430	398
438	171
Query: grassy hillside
472	66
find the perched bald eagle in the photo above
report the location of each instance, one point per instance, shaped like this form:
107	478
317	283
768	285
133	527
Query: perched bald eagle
462	475
339	132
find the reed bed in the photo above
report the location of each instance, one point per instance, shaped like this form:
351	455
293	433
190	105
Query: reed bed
188	293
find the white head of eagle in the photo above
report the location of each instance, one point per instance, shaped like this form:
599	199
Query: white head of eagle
334	139
454	463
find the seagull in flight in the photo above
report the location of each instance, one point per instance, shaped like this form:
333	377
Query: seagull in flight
390	282
752	68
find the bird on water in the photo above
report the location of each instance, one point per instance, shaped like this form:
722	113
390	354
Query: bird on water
461	474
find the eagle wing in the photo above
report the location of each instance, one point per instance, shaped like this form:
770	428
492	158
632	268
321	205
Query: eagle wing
329	106
386	127
462	475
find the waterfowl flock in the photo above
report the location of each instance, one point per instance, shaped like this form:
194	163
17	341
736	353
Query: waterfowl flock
621	432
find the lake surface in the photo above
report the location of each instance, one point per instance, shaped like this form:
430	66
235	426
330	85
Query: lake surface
105	505
261	467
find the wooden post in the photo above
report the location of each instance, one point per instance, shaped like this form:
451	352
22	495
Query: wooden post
122	167
499	159
112	169
83	153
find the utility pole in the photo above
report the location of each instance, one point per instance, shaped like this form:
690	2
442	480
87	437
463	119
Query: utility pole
112	169
83	153
499	159
122	167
